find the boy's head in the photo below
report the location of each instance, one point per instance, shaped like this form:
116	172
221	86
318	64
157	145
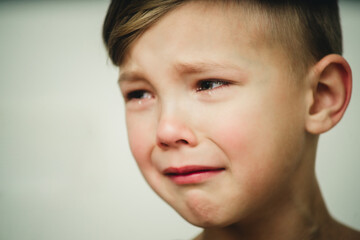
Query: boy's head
214	123
306	30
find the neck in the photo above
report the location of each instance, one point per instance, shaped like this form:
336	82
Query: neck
291	222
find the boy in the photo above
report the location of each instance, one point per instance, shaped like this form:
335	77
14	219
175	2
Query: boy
225	101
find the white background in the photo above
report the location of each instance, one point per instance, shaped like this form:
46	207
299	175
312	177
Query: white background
65	168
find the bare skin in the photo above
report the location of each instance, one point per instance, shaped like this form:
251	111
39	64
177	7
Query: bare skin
202	92
304	217
294	225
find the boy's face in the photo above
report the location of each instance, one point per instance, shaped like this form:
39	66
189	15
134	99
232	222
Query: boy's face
215	122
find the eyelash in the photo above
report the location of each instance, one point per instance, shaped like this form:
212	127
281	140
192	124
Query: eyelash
201	86
138	94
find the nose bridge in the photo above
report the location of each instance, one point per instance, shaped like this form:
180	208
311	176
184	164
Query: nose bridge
174	125
172	107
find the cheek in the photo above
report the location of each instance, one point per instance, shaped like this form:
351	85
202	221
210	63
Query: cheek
258	155
238	130
140	140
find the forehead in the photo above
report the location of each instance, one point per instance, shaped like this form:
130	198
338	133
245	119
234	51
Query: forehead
200	32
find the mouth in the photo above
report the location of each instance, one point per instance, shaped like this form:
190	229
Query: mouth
191	174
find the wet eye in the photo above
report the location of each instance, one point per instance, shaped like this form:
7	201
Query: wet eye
138	94
209	85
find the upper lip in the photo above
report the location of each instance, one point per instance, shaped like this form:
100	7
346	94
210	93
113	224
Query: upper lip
173	171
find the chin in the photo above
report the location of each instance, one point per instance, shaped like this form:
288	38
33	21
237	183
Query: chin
204	210
207	216
208	222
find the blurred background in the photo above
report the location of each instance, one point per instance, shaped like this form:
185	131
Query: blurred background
65	168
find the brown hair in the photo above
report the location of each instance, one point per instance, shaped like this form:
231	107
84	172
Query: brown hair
307	30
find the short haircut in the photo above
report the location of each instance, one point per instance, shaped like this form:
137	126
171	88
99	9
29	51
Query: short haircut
306	30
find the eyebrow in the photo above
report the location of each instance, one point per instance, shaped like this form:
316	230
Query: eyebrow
184	68
130	76
199	67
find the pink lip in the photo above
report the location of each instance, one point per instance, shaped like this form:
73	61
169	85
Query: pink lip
191	174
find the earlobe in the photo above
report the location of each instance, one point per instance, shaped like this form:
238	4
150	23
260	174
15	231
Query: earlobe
331	91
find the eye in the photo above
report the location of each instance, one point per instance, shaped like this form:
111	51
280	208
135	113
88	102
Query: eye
138	94
205	85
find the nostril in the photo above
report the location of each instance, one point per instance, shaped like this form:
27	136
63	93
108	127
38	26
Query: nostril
169	144
164	144
182	141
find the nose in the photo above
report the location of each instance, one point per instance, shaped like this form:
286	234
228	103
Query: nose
173	132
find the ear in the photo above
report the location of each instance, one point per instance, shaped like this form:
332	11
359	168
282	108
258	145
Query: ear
331	84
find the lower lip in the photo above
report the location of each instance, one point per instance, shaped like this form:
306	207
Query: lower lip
194	178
